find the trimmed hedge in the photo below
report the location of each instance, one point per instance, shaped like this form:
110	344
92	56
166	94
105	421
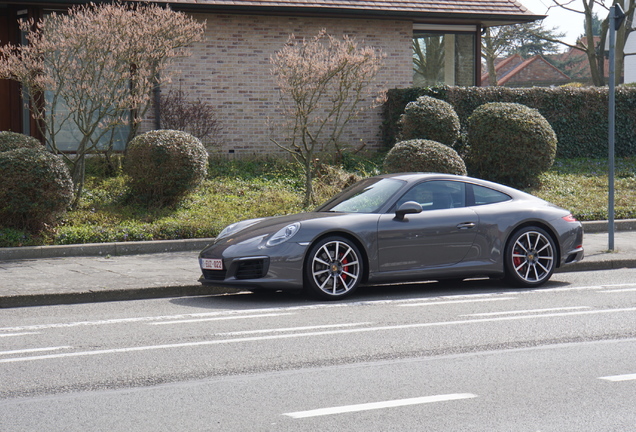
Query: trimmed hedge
577	115
13	141
164	165
35	188
510	144
420	155
431	119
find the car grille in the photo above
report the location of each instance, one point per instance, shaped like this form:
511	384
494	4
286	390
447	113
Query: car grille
214	274
250	269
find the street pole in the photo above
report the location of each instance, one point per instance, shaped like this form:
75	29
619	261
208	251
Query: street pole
616	18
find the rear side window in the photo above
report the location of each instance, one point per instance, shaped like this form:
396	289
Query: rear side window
483	195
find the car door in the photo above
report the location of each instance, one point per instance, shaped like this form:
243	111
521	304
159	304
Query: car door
441	235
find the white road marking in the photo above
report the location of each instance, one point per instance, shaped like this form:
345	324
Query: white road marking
289	329
34	350
400	302
628	377
148	319
435	303
18	334
137	320
620	290
519	312
379	405
196	320
308	334
583	288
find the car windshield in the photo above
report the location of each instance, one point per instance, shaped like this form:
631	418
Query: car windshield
367	196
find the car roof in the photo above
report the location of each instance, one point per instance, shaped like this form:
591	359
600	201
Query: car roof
415	177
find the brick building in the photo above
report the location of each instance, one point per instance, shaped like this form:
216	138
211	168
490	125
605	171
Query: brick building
230	69
515	71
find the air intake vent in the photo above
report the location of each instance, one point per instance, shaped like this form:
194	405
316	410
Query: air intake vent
251	269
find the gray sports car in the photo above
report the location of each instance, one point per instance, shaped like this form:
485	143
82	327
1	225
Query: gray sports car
398	228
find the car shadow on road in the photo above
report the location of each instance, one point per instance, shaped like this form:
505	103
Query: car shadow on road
371	293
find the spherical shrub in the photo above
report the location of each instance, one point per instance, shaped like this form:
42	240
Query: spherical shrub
35	188
420	155
510	143
164	165
431	119
12	140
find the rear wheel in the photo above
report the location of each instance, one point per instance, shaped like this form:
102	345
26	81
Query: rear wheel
334	268
530	257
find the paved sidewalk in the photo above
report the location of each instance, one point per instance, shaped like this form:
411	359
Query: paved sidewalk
91	273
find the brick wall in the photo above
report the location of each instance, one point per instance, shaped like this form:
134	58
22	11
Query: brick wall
231	70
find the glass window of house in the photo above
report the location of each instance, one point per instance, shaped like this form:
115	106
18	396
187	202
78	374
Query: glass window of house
444	57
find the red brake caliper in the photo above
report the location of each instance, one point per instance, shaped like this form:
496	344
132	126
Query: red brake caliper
517	260
345	268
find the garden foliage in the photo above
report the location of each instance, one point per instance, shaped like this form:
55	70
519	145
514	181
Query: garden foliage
97	65
578	116
419	155
509	143
323	82
431	119
13	141
35	188
164	165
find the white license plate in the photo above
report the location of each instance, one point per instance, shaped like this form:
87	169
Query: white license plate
211	264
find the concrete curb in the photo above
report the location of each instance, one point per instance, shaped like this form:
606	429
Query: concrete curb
594	227
110	295
103	249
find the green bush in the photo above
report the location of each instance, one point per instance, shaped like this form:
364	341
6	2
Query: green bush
579	116
431	119
510	143
164	165
420	155
35	188
12	141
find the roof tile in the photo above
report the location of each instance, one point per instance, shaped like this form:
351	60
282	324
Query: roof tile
488	7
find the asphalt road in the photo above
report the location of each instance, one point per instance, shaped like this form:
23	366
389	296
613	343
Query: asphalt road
469	357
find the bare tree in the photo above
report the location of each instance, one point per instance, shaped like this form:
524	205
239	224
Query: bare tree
196	117
95	68
323	83
589	43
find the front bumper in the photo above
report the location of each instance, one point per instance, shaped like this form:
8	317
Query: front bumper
280	269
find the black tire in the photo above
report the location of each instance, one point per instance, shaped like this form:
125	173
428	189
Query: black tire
334	268
530	257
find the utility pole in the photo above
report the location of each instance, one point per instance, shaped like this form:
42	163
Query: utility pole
616	18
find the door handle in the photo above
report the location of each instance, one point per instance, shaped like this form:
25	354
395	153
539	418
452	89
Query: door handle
466	225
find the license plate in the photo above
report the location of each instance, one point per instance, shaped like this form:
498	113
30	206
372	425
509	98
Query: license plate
211	264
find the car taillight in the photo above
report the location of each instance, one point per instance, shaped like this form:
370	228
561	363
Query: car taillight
569	218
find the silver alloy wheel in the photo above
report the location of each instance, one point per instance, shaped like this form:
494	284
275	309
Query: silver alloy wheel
335	268
532	257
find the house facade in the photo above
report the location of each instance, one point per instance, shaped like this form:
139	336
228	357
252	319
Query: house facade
536	71
425	42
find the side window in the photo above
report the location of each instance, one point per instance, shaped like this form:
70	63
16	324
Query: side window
484	195
437	194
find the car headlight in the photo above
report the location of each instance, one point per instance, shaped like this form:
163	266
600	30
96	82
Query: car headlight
283	234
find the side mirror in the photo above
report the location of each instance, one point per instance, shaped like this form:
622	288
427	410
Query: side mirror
409	207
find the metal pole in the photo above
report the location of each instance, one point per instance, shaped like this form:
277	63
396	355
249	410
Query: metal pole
612	125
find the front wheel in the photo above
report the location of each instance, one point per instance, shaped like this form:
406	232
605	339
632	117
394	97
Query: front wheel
334	268
530	257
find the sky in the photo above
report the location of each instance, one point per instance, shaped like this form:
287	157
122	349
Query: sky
565	21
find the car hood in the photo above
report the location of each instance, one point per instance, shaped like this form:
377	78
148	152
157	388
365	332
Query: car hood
311	222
